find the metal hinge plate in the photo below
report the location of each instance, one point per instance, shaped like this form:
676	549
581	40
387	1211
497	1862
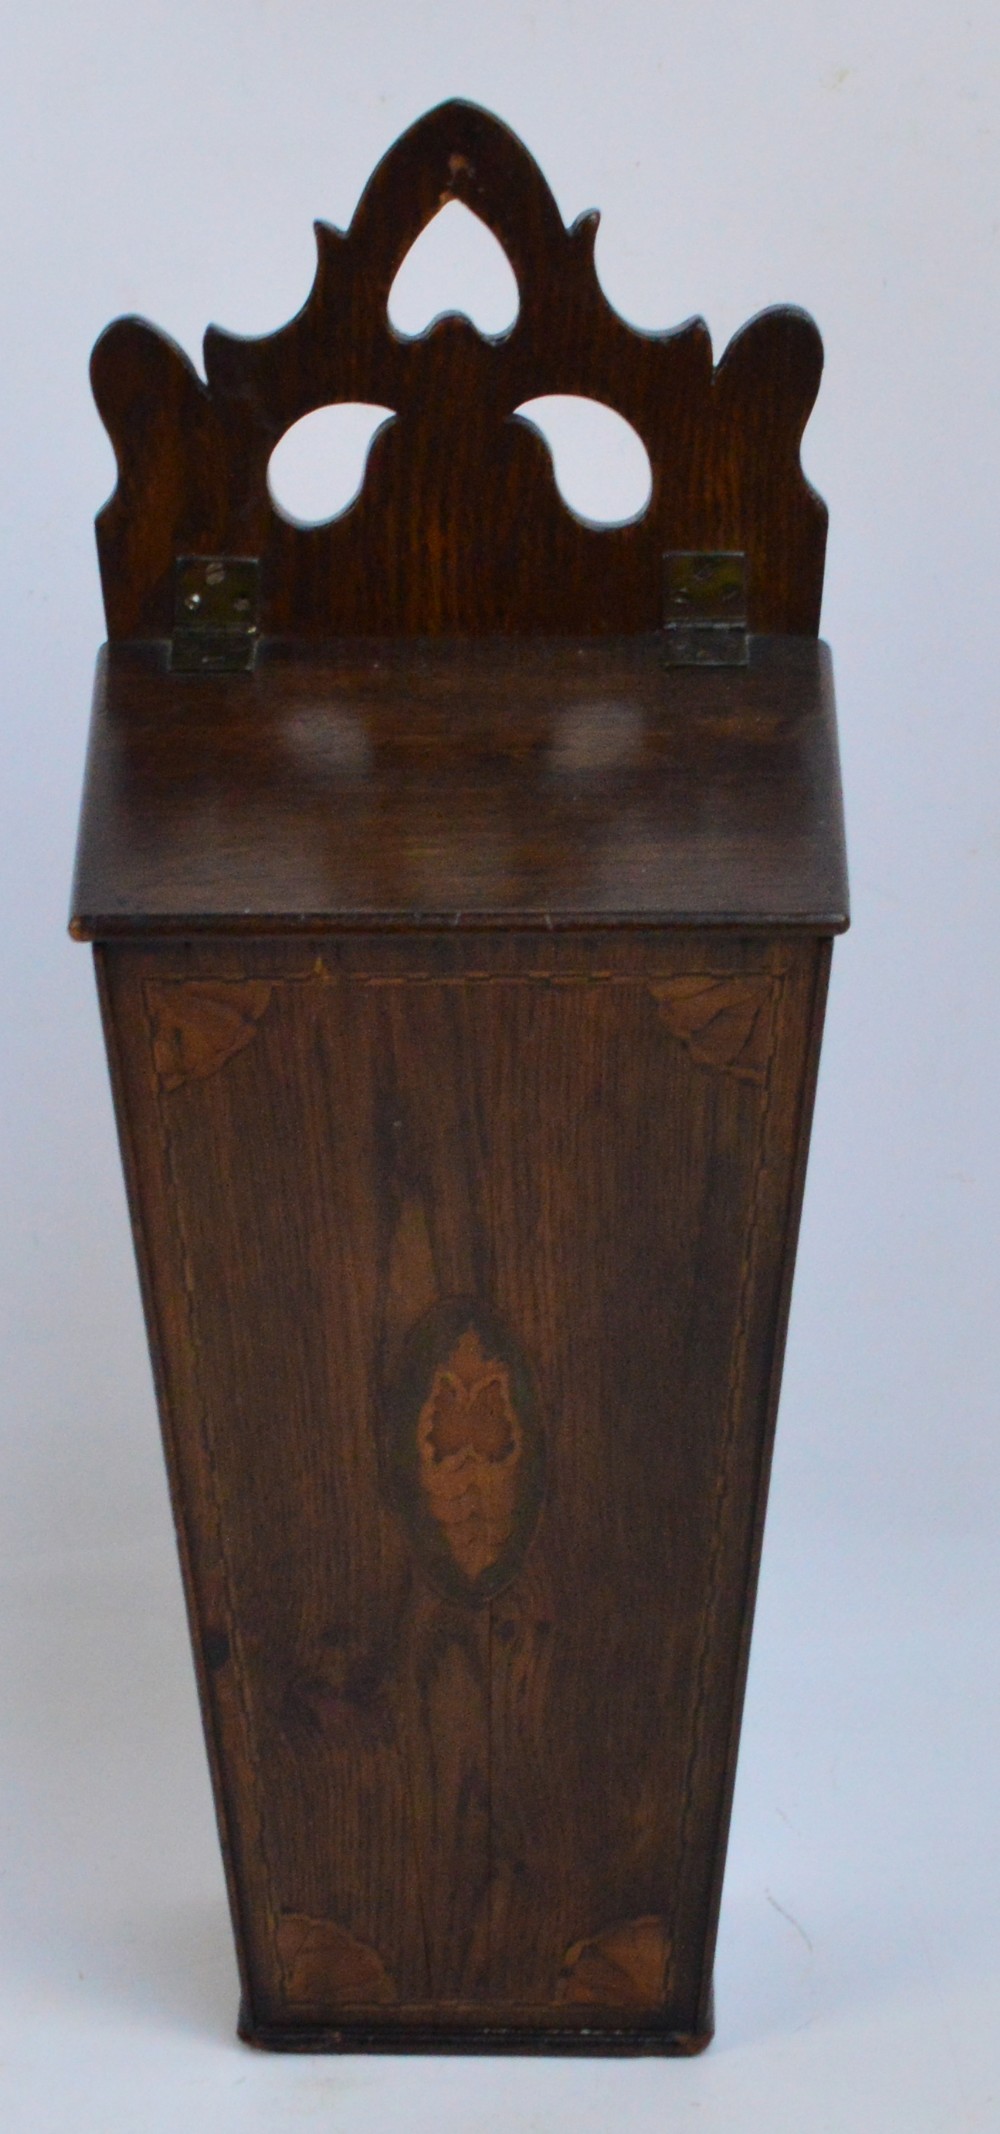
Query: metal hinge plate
215	614
705	607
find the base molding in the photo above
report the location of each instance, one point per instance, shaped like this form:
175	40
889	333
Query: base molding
597	2041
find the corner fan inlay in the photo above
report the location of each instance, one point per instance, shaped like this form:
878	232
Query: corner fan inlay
724	1022
197	1024
459	526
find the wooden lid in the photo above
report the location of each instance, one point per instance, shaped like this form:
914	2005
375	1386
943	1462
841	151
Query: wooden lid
537	781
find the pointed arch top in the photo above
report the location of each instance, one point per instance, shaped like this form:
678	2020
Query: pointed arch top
459	528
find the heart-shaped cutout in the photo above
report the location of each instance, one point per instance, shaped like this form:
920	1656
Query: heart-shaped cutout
455	265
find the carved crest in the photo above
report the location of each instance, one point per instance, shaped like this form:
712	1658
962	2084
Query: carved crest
467	1449
459	526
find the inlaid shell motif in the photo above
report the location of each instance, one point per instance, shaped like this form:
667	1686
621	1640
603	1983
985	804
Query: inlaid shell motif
467	1451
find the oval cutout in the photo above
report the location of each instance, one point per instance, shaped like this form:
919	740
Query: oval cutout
317	470
601	465
456	265
466	1449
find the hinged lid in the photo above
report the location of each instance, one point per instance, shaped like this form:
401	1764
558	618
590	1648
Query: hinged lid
457	703
454	782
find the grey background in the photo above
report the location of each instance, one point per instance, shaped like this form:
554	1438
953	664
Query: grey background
169	159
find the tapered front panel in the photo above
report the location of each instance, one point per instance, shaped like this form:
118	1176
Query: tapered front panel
465	1262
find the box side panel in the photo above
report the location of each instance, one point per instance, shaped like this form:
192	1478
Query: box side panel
811	964
465	1265
197	1540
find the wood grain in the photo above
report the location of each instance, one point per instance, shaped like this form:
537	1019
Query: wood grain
513	781
480	1792
459	527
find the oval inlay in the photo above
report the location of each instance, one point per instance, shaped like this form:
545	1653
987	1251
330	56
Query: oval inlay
467	1448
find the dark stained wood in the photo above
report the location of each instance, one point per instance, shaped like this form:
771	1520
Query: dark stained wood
470	1804
451	783
463	996
459	527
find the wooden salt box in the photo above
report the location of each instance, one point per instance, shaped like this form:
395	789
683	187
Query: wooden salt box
462	878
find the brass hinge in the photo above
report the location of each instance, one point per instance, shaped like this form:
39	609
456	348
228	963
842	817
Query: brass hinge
705	608
215	614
